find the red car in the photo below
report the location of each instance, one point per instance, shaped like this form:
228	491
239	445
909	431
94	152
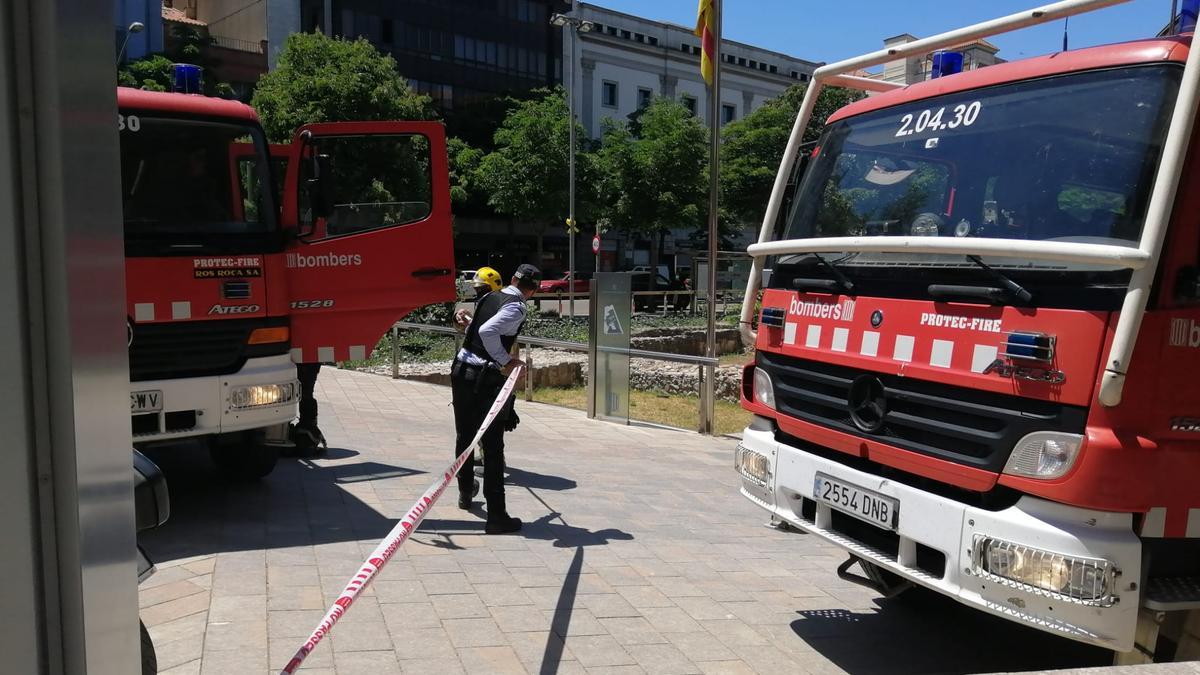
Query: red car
582	281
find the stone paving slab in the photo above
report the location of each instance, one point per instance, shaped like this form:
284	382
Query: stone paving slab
638	556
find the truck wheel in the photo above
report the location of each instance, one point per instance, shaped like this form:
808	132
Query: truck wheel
245	460
149	658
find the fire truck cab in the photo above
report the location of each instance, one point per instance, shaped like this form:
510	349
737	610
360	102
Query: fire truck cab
979	337
234	274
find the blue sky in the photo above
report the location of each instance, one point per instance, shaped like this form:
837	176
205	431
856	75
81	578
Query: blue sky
829	31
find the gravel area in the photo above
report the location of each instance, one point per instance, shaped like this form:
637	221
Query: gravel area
645	375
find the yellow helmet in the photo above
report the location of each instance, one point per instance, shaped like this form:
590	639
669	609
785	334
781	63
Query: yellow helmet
486	276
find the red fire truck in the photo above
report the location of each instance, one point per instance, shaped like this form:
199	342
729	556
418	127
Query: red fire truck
978	347
234	274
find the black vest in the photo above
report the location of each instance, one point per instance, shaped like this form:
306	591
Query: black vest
485	309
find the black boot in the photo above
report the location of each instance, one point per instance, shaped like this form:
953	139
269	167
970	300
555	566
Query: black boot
464	502
308	439
505	525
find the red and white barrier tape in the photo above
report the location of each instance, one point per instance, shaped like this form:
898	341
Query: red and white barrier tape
399	534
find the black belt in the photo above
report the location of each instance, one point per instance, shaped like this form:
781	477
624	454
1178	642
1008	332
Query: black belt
482	376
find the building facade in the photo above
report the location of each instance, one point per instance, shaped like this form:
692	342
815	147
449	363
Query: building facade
150	39
459	53
626	60
915	69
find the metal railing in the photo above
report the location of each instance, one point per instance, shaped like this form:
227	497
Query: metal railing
252	46
527	343
724	299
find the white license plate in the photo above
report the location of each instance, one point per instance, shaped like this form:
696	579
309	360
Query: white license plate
145	401
859	502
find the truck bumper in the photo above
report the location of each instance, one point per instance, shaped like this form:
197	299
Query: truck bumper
930	526
201	406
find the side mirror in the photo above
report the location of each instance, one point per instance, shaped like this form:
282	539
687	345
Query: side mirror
1187	284
320	186
152	502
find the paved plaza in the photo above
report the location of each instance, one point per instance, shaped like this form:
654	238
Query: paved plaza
638	556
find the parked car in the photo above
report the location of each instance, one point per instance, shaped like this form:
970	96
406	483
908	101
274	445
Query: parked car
582	283
642	282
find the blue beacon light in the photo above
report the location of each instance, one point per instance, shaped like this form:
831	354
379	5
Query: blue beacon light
187	78
949	63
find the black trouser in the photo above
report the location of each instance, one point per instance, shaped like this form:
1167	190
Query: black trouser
474	390
307	374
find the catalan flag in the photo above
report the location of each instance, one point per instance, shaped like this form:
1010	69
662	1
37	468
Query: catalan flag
705	30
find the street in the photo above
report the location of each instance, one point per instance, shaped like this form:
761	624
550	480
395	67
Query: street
638	555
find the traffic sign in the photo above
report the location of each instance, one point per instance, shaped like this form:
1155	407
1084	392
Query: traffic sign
596	244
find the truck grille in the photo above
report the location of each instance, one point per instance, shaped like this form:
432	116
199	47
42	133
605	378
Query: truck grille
962	425
196	348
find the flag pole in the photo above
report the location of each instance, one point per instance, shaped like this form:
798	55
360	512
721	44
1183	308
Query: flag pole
708	393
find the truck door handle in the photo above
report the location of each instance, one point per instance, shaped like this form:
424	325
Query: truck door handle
428	272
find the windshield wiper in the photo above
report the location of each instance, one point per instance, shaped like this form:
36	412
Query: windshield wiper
1010	287
842	281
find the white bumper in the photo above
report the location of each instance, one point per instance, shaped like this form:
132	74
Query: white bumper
208	399
950	527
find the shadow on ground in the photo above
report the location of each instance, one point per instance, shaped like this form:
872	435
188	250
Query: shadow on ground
210	514
924	632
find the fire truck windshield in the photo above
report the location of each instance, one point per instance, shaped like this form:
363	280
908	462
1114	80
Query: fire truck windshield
1064	158
194	178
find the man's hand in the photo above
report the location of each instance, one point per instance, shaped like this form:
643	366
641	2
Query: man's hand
462	319
511	365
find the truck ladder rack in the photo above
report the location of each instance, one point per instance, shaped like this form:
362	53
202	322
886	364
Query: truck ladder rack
1143	259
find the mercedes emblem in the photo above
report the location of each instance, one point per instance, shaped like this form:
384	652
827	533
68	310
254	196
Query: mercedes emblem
867	403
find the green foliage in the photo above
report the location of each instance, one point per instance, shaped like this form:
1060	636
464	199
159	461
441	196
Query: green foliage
152	73
753	146
465	190
654	180
323	79
527	175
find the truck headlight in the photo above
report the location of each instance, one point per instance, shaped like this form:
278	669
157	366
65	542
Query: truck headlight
752	465
260	395
764	388
1089	581
1044	454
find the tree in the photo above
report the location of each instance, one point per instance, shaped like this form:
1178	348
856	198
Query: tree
527	175
465	191
752	147
655	180
156	72
324	79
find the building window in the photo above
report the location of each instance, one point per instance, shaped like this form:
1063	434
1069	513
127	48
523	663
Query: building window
741	60
689	102
774	69
762	66
652	40
803	77
684	47
753	63
795	74
608	94
612	30
386	32
639	37
644	96
728	113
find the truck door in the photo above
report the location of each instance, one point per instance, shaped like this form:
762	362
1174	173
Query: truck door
370	206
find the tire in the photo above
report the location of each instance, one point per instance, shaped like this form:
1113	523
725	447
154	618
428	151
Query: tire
244	461
149	658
